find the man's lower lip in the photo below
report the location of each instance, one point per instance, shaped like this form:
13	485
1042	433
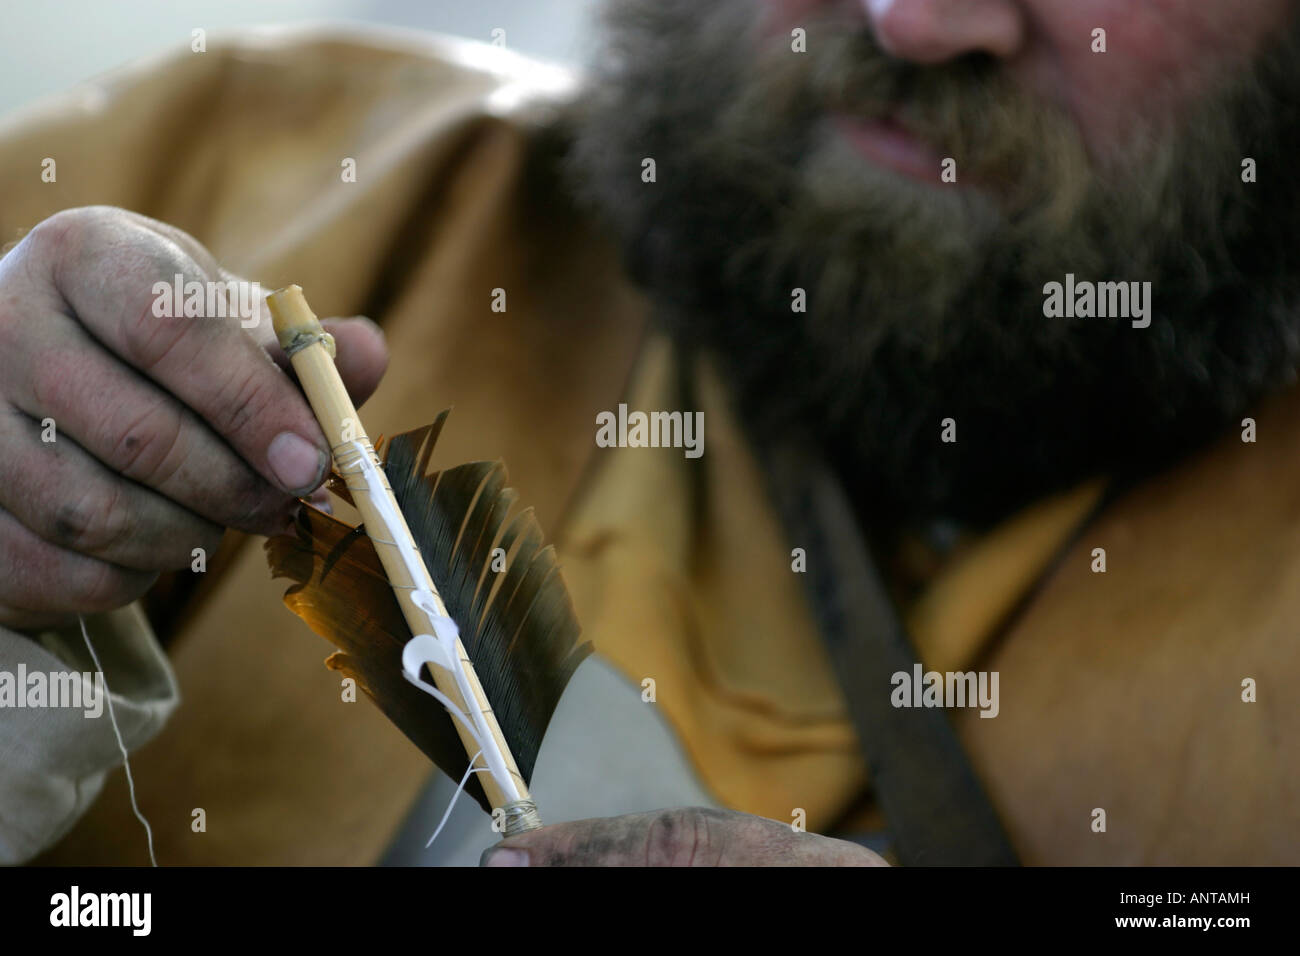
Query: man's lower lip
888	145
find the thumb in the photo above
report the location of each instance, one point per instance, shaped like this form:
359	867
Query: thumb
362	354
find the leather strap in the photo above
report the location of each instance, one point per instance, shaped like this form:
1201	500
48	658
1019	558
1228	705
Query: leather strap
937	811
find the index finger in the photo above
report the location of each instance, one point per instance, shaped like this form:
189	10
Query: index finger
151	304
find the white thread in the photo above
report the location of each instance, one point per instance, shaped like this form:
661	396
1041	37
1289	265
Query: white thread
126	759
460	788
437	695
411	664
447	637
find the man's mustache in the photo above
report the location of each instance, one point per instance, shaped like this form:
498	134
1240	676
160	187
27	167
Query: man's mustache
1026	152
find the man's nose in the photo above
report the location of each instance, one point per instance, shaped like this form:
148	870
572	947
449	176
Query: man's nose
934	31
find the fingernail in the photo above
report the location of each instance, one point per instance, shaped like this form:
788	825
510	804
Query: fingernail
503	856
320	499
298	465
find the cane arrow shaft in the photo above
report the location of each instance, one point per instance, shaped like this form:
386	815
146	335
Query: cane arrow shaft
311	352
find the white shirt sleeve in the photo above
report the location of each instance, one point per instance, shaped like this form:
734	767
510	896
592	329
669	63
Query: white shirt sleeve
56	741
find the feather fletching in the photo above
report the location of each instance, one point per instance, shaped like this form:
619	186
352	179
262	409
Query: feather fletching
501	586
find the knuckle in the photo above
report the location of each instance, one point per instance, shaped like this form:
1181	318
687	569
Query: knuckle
48	382
57	233
566	848
671	838
247	399
70	235
104	587
187	244
93	523
148	338
152	324
146	450
64	382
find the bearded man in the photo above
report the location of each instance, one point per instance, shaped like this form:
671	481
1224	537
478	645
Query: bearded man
840	230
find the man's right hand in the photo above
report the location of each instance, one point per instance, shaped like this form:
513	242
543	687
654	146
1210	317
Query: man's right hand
167	430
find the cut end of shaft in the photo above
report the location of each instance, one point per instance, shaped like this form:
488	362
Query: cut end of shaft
291	316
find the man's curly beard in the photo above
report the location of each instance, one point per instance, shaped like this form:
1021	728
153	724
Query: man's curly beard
926	303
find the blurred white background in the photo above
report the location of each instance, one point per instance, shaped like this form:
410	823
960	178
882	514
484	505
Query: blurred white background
49	45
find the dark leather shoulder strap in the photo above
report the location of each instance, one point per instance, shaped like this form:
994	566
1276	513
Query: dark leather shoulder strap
936	808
